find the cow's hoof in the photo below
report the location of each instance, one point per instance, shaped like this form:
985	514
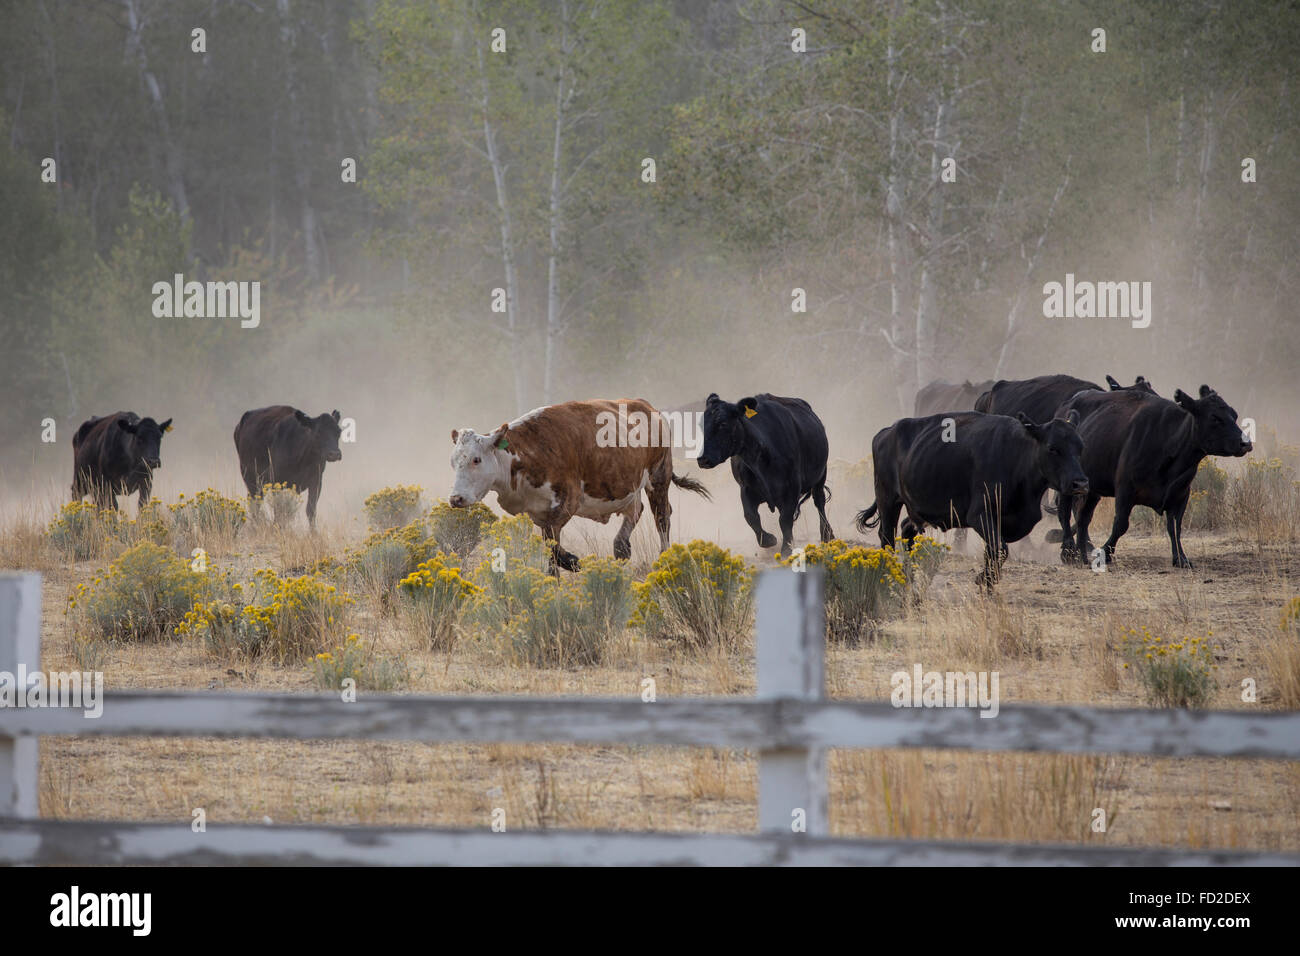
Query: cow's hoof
1070	555
622	550
1183	563
767	541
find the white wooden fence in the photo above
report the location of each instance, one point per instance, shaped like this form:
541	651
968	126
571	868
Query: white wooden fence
790	724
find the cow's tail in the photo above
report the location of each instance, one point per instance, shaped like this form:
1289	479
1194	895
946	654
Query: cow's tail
690	484
865	519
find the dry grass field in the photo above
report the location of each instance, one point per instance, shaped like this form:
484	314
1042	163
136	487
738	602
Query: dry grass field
1053	634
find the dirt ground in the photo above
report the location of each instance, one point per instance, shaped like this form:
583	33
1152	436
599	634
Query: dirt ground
1050	631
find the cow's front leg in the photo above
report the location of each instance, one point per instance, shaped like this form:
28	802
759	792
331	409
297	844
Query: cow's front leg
313	495
1069	550
749	502
1174	525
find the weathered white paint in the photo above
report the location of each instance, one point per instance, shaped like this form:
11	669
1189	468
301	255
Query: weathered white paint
20	642
790	647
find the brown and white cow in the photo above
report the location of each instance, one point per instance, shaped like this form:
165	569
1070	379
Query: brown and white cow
591	459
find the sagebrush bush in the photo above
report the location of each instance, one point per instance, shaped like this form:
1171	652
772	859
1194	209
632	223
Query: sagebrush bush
282	499
353	660
284	618
82	530
1264	501
459	530
207	515
697	593
433	596
385	557
1207	504
864	586
519	542
1175	672
142	595
1282	657
393	507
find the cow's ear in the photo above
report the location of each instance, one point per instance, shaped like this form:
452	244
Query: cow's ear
1114	385
335	415
1072	417
1185	400
455	435
1141	380
303	420
1029	426
499	438
749	406
166	426
712	399
1206	391
126	426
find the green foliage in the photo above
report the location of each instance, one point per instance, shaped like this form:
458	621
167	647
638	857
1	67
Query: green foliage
142	596
82	530
353	661
1175	672
434	594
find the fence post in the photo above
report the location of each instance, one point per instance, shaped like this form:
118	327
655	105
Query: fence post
20	643
789	628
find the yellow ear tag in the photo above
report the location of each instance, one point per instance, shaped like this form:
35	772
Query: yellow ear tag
751	412
168	428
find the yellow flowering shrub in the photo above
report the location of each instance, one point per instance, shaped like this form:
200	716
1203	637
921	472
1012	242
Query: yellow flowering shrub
1207	504
354	661
1175	671
393	507
433	595
458	530
519	542
862	585
282	499
385	557
697	593
284	618
1282	657
82	530
206	515
142	595
538	619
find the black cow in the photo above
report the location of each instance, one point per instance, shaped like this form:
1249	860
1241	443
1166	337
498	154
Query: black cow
941	396
116	455
281	444
778	450
1039	398
1143	450
971	470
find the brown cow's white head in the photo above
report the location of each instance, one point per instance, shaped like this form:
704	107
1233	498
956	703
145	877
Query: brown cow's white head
481	463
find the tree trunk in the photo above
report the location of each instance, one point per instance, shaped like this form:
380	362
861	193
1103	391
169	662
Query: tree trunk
171	151
553	258
507	235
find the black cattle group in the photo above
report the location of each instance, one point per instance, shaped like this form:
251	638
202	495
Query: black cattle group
983	463
117	454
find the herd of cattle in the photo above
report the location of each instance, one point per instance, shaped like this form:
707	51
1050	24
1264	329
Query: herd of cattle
974	456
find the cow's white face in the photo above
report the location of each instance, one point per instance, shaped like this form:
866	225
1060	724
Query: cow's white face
480	466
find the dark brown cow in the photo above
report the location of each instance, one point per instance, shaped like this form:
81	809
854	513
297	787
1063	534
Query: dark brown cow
279	444
590	459
116	455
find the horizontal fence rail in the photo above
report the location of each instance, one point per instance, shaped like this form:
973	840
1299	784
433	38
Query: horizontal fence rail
789	724
728	722
59	842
